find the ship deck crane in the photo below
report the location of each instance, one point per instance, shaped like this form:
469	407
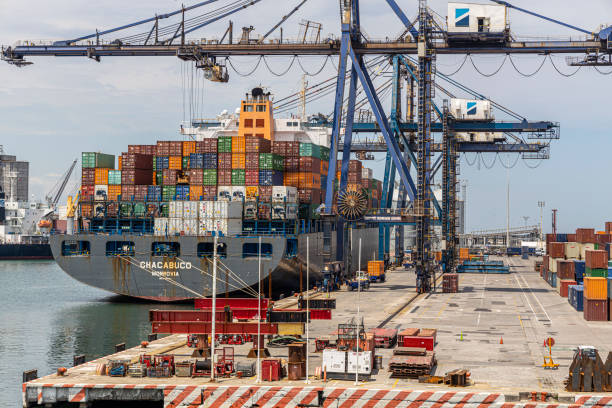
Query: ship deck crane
427	40
56	192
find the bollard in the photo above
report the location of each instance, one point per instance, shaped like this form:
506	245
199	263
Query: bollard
119	347
30	375
78	360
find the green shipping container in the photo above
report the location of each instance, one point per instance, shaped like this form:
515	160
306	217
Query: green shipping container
114	177
140	209
126	209
324	153
270	161
168	193
224	144
185	162
310	149
210	177
164	210
308	211
97	160
596	272
159	178
238	177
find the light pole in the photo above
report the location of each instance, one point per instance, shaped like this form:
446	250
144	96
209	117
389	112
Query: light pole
541	204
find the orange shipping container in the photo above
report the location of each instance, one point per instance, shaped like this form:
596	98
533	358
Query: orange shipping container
324	168
238	160
376	268
292	179
114	191
252	192
175	163
101	176
595	288
438	256
188	148
309	180
195	192
464	253
120	161
239	145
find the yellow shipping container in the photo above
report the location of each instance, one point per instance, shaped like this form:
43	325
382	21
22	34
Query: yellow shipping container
252	192
238	160
376	268
188	148
101	176
175	162
238	144
595	288
292	179
114	191
464	253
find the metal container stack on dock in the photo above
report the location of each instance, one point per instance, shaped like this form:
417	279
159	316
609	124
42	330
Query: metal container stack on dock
577	266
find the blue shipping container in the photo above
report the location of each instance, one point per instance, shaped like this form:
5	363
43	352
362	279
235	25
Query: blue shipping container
270	178
552	279
513	251
575	296
154	193
210	161
162	162
182	193
561	237
579	268
196	161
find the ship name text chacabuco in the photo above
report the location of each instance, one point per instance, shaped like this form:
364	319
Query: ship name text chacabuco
165	265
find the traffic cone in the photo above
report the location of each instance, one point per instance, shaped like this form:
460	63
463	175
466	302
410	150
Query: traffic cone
461	335
501	340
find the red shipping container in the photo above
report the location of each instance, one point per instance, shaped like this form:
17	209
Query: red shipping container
127	192
355	166
292	164
309	196
571	237
252	161
196	177
556	249
563	286
608	227
550	238
545	263
565	269
416	341
354	178
586	235
137	176
257	145
265	194
271	369
88	177
310	164
224	177
411	332
280	148
140	192
292	149
163	148
136	161
596	259
169	177
143	149
595	310
209	193
224	161
252	177
428	333
87	192
176	149
320	314
604	238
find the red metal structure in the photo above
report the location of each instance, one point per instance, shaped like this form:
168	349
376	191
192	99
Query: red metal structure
195	327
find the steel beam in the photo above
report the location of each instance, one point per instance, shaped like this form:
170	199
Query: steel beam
220	328
463	147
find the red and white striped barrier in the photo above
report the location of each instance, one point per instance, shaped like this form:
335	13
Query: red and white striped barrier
211	396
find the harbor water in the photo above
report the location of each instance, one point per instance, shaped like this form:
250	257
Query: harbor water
48	318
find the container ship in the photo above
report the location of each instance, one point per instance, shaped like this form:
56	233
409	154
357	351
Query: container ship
147	228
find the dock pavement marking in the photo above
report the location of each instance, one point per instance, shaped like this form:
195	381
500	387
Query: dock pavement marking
484	289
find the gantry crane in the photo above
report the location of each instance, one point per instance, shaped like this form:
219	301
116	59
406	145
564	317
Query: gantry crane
407	143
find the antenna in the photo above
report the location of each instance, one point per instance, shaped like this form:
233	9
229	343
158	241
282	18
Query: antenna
554	221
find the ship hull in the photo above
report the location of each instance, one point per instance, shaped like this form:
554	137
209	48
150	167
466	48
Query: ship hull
16	252
189	275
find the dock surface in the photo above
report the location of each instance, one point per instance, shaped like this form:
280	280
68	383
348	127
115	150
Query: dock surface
494	327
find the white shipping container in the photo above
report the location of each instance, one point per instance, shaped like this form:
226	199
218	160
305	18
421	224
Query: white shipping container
572	250
360	362
238	193
480	137
175	209
285	193
279	211
227	209
228	227
207	209
476	18
190	226
160	227
292	211
224	193
366	173
584	248
101	192
175	225
471	109
334	361
190	209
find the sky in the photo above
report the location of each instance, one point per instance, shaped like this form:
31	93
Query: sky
56	108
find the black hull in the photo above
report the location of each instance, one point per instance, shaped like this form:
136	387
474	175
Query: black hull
16	252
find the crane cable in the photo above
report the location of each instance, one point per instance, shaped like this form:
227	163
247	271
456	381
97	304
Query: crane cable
458	69
561	73
488	75
285	72
534	72
229	61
